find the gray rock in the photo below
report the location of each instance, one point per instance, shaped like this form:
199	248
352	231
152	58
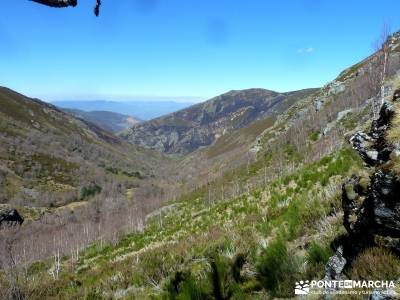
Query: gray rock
318	103
335	266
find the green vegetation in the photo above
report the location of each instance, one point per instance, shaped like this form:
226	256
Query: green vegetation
314	136
131	174
275	228
90	191
317	254
199	250
278	268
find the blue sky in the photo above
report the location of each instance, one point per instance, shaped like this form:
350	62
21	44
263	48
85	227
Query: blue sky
183	48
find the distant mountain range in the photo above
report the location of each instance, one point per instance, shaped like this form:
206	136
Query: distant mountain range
143	110
111	121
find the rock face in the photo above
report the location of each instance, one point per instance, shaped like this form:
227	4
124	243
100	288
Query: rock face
10	217
373	147
372	205
200	125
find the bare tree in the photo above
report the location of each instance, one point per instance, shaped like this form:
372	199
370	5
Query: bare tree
381	46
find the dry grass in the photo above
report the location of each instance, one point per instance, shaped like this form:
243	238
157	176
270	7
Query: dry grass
236	139
375	264
393	134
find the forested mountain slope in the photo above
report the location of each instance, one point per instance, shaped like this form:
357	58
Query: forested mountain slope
47	156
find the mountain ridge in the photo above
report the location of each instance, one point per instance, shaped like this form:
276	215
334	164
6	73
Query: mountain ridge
45	149
200	125
143	110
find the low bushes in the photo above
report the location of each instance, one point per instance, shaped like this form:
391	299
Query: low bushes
221	282
278	268
375	264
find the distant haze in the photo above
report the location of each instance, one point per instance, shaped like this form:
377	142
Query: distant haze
143	110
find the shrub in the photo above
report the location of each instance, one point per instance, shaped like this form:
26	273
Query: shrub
375	264
183	286
278	269
90	191
314	136
317	254
223	281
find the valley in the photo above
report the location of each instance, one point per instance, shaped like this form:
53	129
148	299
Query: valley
241	196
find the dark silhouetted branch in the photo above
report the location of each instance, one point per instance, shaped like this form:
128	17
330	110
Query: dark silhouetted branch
67	3
97	8
57	3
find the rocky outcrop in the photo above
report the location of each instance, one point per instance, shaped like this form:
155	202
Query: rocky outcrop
373	147
371	205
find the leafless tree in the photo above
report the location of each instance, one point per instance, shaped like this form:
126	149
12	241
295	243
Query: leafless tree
382	47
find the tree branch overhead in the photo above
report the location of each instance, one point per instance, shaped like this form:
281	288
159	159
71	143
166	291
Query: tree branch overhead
67	3
57	3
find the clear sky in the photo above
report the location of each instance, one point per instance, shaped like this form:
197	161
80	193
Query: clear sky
183	48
